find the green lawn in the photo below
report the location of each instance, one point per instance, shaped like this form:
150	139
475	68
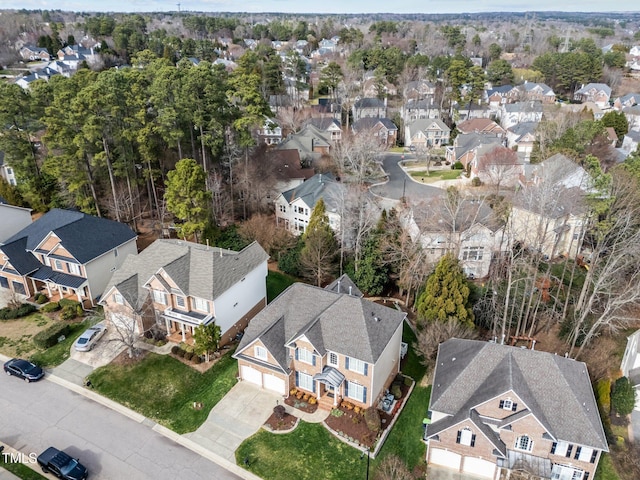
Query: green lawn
164	389
57	354
20	470
606	470
435	175
276	283
310	448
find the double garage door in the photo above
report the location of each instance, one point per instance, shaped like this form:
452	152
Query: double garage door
264	380
471	465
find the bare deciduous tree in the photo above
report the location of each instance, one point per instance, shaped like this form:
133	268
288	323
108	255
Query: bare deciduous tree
499	167
393	468
357	156
434	333
263	229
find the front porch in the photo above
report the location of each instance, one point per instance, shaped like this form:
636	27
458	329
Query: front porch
56	286
56	295
181	325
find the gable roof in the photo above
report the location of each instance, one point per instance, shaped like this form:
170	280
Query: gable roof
595	86
198	270
480	125
322	185
423	124
369	102
324	123
344	284
331	321
288	165
556	390
367	123
84	236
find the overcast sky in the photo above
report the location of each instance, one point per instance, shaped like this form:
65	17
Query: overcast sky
323	6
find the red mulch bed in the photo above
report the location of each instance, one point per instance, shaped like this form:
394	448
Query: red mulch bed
305	406
287	422
353	426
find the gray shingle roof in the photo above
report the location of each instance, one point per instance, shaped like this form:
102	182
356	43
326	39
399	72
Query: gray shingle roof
557	390
368	123
423	124
200	271
322	185
84	236
369	102
332	321
344	285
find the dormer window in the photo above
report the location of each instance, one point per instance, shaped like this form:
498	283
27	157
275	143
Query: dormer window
524	443
180	302
260	352
508	404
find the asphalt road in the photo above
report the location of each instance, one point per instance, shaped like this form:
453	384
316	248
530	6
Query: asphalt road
400	182
38	415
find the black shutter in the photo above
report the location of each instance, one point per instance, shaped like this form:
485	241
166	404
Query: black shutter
578	450
459	435
501	403
553	447
568	455
586	476
594	455
514	407
473	440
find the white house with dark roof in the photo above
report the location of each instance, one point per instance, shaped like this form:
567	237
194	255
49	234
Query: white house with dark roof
369	107
66	254
416	109
7	173
294	207
179	286
423	133
496	409
324	342
513	113
522	138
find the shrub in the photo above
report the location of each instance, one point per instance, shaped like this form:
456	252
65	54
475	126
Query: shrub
161	343
180	352
279	411
68	312
196	359
336	412
476	182
188	355
79	310
396	391
457	166
175	349
293	391
21	311
603	392
49	337
372	418
51	307
312	400
41	298
408	381
623	396
64	302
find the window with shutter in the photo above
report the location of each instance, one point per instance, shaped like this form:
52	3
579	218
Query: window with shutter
577	455
514	407
594	455
569	448
501	403
553	447
458	437
473	440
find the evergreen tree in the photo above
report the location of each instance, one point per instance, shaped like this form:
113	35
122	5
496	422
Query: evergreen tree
317	257
446	294
207	338
372	275
187	197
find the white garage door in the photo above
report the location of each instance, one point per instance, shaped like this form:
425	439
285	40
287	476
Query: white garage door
123	324
445	458
271	382
251	375
477	466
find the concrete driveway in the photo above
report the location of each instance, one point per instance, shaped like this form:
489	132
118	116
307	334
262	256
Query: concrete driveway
104	351
235	418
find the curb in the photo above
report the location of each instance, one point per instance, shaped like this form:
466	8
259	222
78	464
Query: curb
23	457
137	417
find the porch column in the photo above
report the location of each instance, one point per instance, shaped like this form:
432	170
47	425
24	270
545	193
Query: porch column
48	289
77	292
184	339
167	325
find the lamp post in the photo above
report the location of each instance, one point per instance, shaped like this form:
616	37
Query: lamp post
368	459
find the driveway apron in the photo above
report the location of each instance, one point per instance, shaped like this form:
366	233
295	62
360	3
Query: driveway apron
235	418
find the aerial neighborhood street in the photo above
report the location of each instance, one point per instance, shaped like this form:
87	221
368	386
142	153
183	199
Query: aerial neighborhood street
304	245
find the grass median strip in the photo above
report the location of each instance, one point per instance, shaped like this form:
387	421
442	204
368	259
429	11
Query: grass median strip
164	389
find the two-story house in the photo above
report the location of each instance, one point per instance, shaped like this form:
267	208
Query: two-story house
369	107
6	171
522	138
178	286
419	90
13	218
31	52
311	143
540	92
65	254
416	109
467	146
328	343
598	93
481	125
382	129
513	113
288	170
294	207
425	133
269	133
329	125
496	409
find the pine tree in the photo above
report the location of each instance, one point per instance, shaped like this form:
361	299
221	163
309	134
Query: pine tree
446	294
318	255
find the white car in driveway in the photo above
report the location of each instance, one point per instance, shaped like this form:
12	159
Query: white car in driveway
88	339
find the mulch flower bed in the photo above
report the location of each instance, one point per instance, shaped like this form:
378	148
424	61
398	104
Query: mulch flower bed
300	404
287	422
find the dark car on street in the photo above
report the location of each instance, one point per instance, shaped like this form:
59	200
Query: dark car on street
61	465
23	369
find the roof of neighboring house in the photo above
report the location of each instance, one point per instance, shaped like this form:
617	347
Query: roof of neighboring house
528	106
331	321
198	270
324	123
420	104
435	215
84	236
22	261
557	390
523	128
543	87
305	140
368	123
467	141
500	90
629	96
423	124
369	102
480	125
633	110
288	164
322	185
596	86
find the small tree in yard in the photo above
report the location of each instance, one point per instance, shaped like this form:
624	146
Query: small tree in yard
207	339
434	333
623	396
393	468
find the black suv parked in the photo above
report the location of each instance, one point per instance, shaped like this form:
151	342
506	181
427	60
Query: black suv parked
61	465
